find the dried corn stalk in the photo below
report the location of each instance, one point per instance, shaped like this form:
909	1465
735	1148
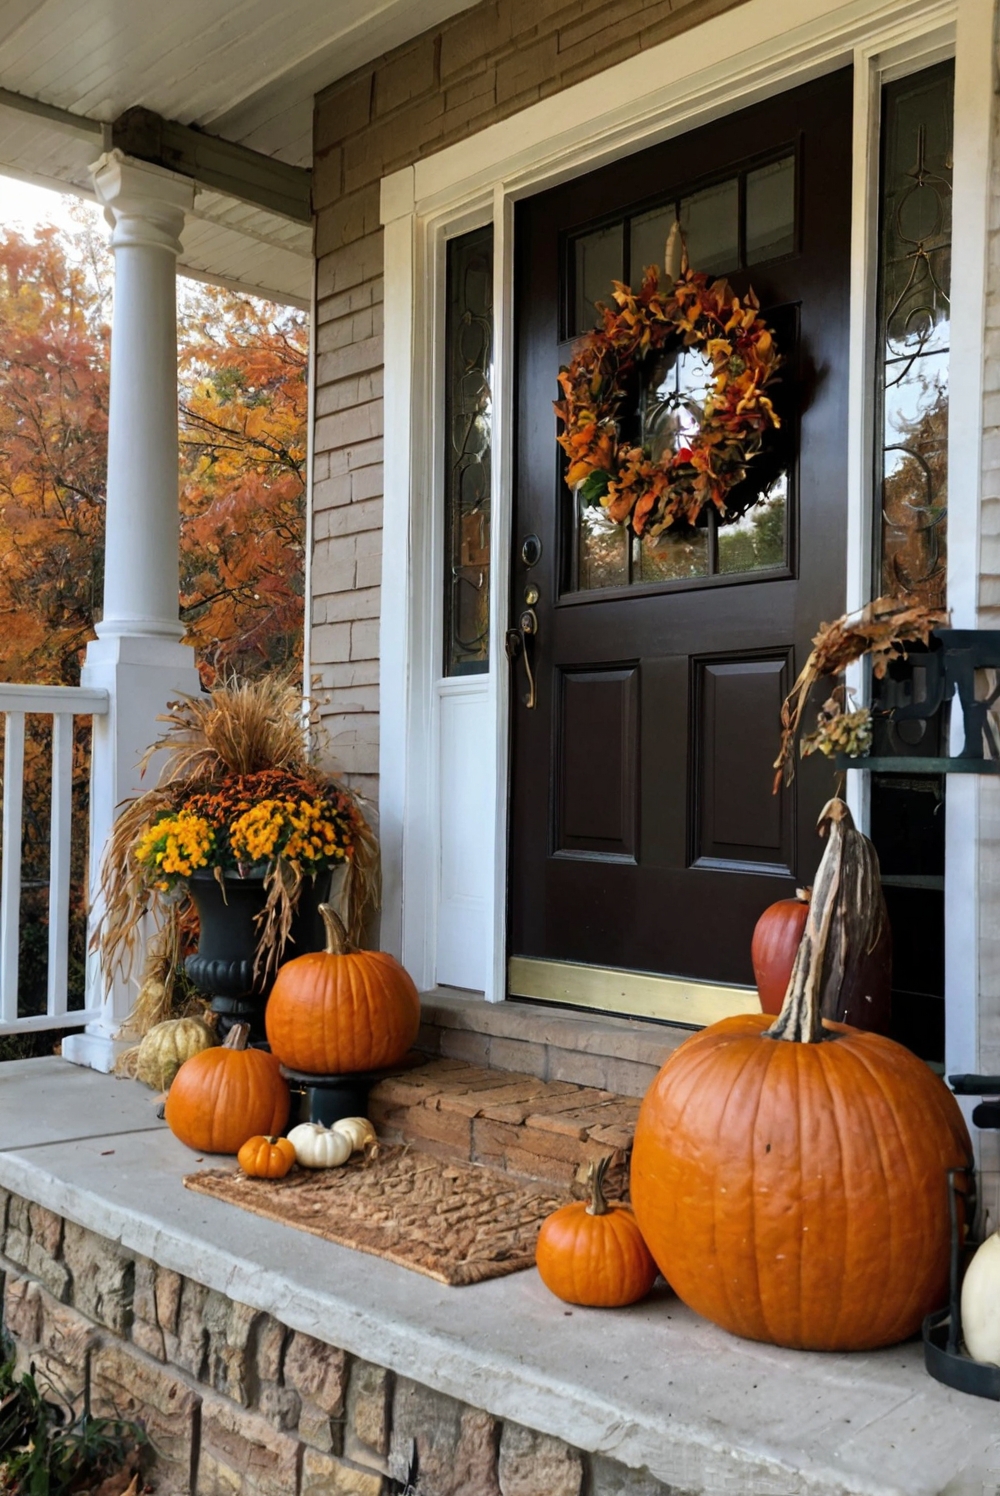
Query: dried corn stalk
843	966
881	630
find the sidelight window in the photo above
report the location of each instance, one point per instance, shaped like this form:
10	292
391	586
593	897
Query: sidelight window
911	481
468	401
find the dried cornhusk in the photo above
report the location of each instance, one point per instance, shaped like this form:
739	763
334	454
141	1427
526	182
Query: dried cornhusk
881	630
843	965
241	727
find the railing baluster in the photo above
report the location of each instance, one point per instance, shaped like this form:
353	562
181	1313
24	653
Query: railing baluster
10	866
63	704
59	861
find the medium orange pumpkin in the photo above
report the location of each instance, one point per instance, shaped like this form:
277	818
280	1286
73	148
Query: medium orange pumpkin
340	1010
266	1158
791	1182
776	938
222	1096
593	1253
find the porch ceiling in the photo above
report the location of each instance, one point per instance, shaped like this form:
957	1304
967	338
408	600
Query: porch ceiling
246	70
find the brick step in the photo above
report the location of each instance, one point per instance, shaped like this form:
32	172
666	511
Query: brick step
621	1055
541	1131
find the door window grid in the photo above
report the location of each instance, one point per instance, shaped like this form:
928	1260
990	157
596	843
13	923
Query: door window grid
744	220
468	428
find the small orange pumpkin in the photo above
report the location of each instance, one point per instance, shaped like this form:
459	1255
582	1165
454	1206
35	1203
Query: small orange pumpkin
341	1010
222	1096
266	1158
776	938
593	1253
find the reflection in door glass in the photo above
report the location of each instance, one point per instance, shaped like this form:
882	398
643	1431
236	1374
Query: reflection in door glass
467	457
770	211
602	549
756	541
710	221
673	400
914	311
649	233
598	262
671	558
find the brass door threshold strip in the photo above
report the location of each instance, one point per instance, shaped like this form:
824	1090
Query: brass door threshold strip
637	993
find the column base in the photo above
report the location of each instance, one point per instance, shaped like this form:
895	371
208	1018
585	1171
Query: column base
97	1051
141	674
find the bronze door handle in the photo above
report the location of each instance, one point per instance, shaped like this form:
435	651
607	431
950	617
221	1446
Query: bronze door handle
517	644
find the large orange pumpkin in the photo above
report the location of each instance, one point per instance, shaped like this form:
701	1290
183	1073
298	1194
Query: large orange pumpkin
776	938
341	1010
592	1252
791	1182
223	1096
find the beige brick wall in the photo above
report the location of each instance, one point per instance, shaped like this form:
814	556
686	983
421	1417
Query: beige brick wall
485	64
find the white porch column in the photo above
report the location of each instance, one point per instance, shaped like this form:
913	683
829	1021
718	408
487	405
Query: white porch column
137	655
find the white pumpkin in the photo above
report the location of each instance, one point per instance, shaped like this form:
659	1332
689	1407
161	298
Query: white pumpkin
358	1129
981	1303
318	1147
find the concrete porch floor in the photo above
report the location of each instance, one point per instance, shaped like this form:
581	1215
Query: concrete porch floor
652	1386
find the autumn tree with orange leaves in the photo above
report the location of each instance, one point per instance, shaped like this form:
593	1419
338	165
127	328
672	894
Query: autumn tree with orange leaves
243	375
241	485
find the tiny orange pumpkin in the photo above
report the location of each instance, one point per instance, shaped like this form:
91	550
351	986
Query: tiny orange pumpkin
266	1157
593	1253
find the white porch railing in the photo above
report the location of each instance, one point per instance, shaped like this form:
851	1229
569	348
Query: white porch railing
63	704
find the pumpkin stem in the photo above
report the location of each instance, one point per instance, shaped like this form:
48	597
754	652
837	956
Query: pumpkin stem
337	943
801	1018
595	1178
237	1036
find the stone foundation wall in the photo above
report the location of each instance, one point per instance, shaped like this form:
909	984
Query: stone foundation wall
237	1404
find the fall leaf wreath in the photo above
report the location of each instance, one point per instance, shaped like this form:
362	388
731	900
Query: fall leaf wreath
655	494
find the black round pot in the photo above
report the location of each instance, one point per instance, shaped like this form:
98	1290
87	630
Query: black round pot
222	968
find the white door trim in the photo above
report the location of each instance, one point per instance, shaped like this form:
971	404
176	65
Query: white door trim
696	76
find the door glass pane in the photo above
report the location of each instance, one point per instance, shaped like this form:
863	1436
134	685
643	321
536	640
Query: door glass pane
756	540
602	549
673	401
671	558
468	410
710	220
597	261
649	233
770	211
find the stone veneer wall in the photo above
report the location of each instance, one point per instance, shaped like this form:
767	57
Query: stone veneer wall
237	1404
456	79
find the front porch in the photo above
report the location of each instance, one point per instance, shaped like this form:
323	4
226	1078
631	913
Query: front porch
219	1327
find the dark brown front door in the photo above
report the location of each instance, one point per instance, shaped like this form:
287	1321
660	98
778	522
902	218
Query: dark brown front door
644	832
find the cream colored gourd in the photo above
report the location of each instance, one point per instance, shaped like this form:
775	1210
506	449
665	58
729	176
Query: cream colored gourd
318	1147
981	1303
167	1045
358	1129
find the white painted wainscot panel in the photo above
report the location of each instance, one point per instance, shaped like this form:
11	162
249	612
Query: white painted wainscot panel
464	795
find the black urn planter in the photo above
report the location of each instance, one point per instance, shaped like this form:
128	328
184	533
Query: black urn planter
222	968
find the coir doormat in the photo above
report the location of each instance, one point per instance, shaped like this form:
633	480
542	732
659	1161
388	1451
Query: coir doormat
454	1222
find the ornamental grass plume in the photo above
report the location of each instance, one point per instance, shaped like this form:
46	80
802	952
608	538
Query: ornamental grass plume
236	794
